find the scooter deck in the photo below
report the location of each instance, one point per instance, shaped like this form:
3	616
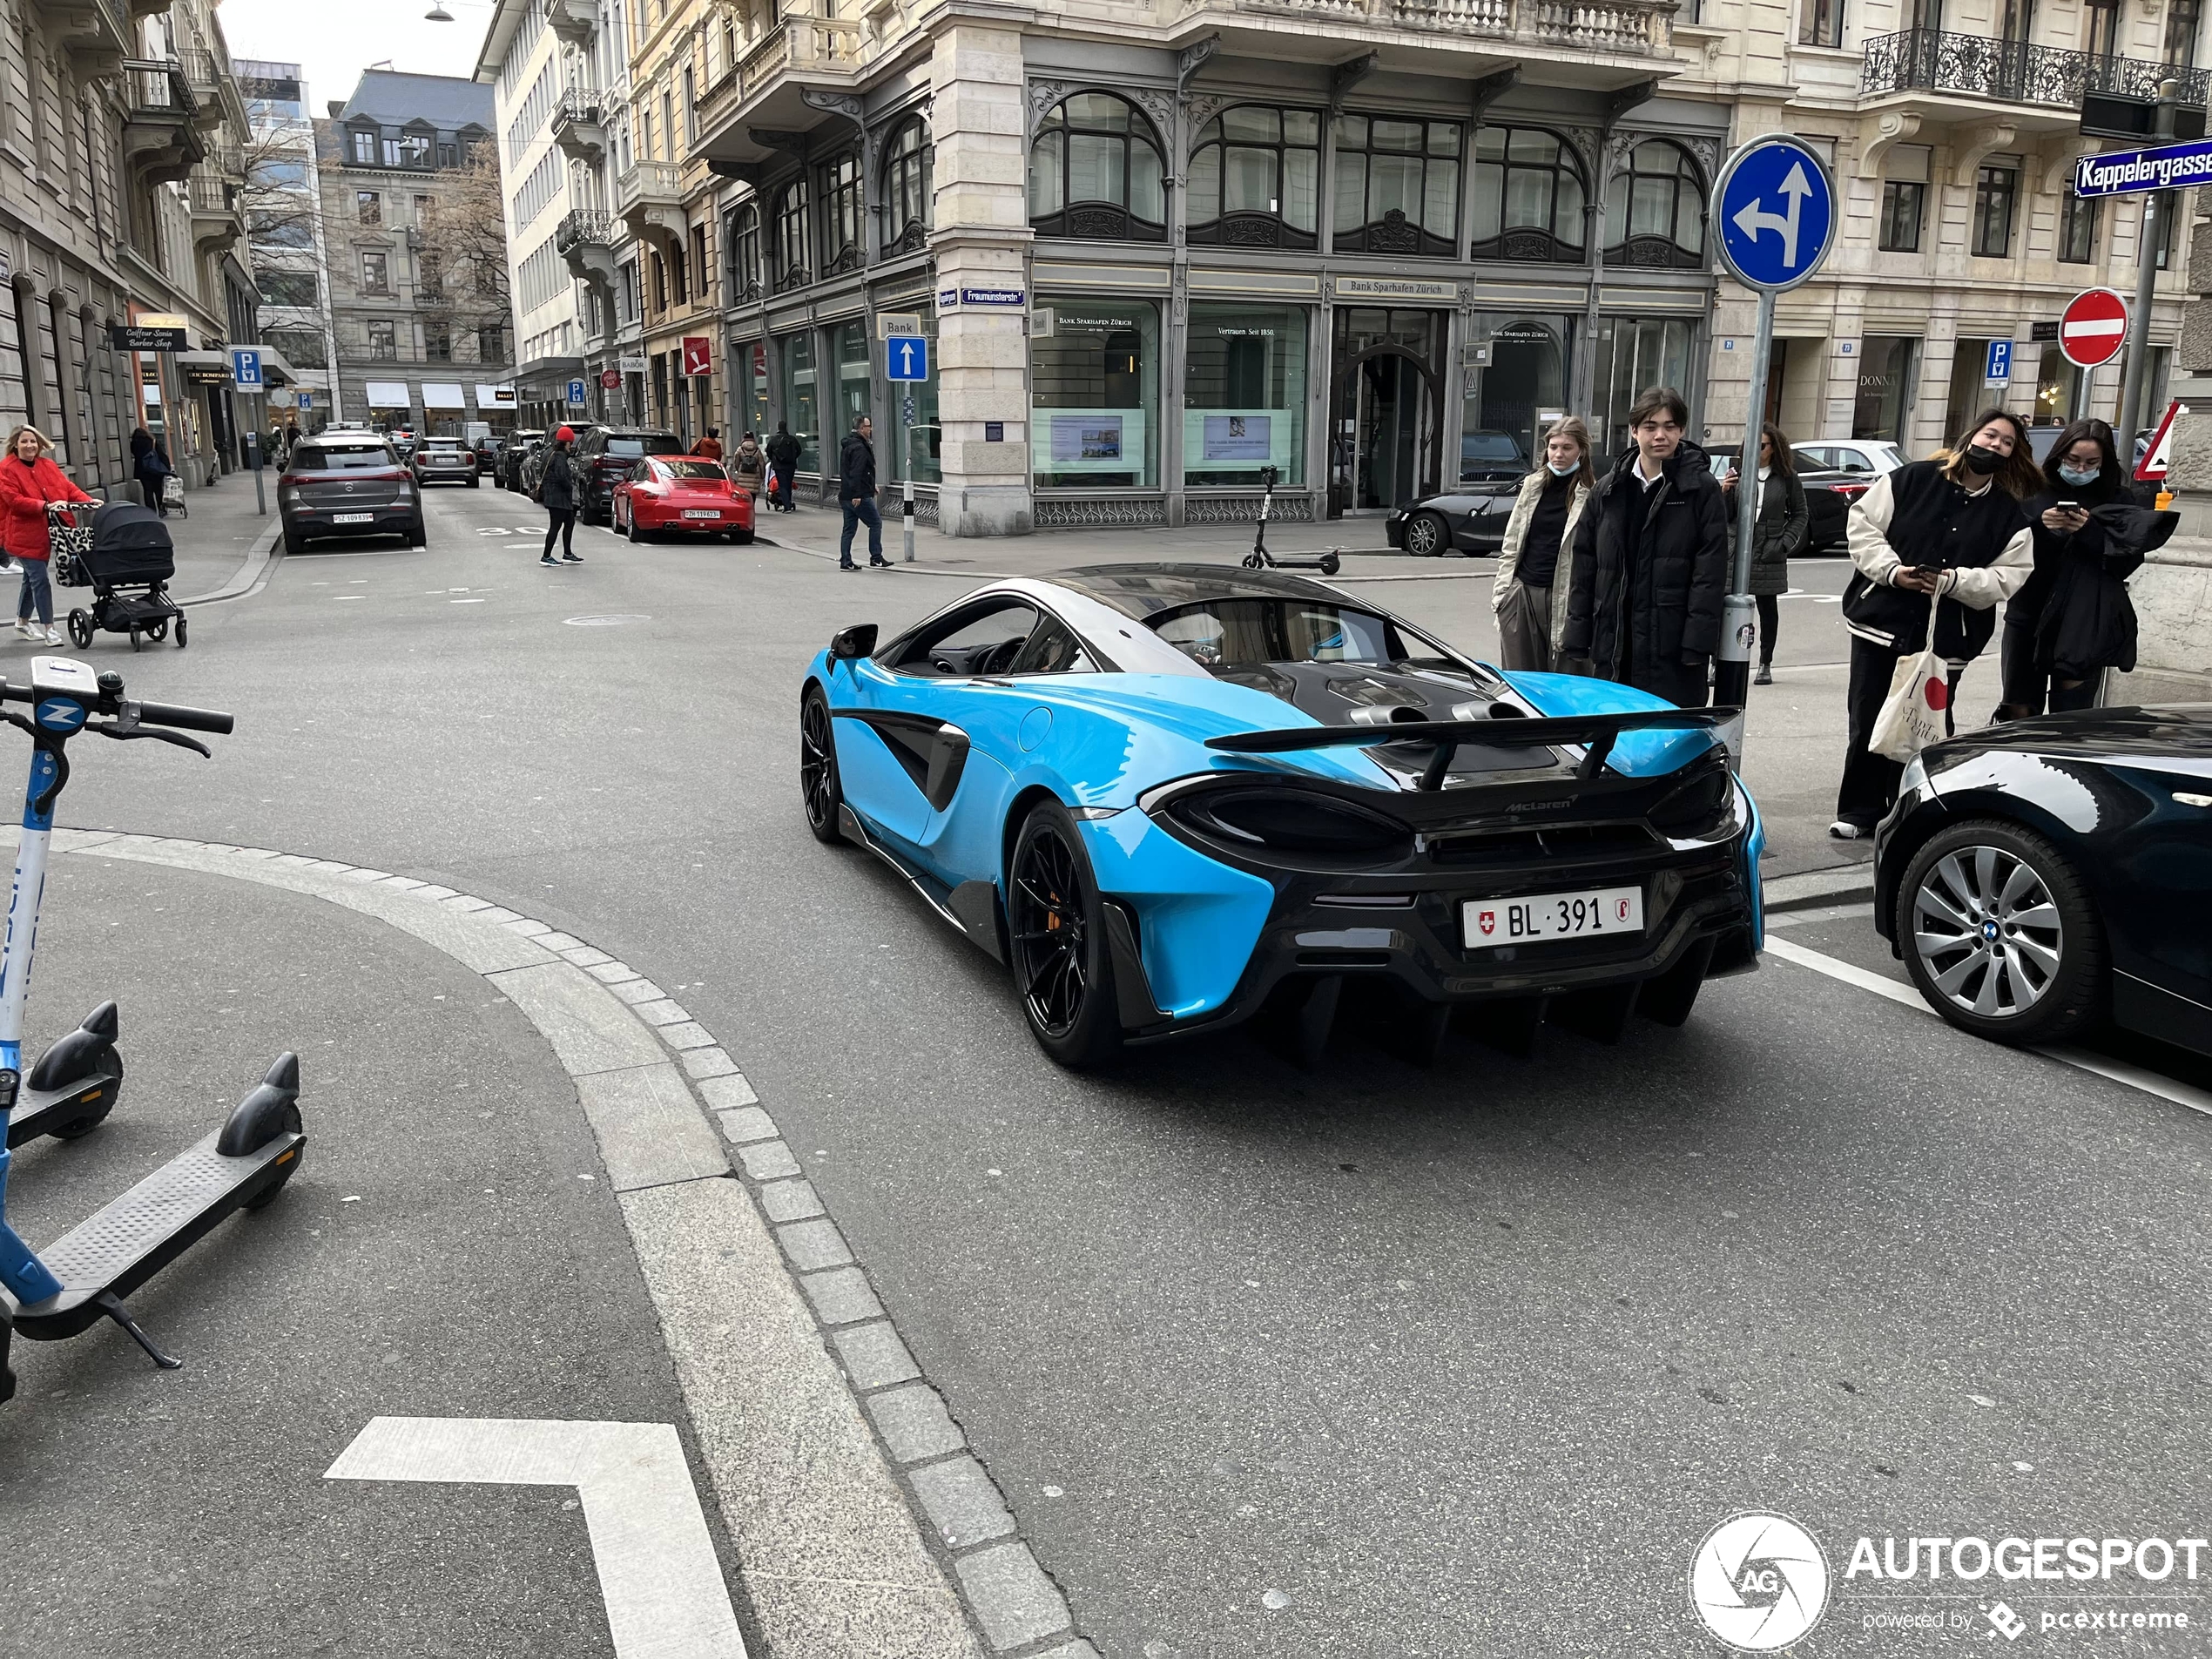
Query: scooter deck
40	1111
143	1230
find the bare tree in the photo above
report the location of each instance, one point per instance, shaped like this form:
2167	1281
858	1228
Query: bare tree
465	235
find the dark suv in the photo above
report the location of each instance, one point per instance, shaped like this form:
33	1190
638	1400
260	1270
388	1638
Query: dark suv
346	484
602	459
507	472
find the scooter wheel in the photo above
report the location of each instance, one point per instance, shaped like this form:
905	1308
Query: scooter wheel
111	1069
80	630
287	1125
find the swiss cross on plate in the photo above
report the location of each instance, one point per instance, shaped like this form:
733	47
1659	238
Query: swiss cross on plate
1487	921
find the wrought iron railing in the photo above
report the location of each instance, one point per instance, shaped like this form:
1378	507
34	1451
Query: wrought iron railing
156	88
2012	71
582	227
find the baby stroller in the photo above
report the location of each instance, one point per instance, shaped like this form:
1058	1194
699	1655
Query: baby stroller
129	550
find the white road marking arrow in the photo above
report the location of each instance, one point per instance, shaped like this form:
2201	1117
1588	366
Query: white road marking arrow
1753	219
657	1574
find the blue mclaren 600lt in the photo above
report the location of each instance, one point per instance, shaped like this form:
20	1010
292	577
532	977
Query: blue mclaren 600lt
1171	797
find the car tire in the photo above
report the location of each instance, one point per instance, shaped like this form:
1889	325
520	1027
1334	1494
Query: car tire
294	542
2000	933
742	538
1063	971
1428	536
637	536
418	533
818	788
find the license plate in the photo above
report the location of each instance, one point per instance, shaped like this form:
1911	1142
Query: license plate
1541	916
702	512
352	518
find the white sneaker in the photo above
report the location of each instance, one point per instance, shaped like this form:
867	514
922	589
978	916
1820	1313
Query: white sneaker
24	629
1844	830
53	636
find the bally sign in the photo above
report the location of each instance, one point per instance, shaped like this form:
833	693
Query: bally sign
698	355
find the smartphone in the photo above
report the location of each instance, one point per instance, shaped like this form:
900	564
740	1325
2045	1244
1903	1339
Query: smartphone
2068	505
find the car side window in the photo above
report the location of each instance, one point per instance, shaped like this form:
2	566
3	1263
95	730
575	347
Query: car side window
1053	649
981	639
1854	462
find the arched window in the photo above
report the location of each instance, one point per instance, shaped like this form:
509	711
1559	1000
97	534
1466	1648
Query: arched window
744	236
1654	209
1255	178
1094	171
905	188
1529	197
1397	187
839	214
790	221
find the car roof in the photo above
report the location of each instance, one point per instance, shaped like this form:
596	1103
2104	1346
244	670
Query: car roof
1141	591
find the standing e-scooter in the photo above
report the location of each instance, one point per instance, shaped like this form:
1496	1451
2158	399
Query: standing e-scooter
1259	558
82	1277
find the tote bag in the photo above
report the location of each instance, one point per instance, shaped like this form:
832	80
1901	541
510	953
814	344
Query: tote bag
1911	716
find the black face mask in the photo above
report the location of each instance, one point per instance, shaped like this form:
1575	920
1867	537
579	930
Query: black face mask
1982	461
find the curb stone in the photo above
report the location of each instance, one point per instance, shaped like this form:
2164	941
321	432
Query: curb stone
972	1585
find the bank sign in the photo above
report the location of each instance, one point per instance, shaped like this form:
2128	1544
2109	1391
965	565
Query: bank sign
2171	166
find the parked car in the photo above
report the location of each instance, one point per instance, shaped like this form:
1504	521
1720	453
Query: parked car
1470	520
508	475
677	494
1868	456
603	456
403	442
1493	458
443	461
347	485
487	450
2043	875
533	464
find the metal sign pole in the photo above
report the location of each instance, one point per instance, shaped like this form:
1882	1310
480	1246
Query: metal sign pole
907	472
2132	383
1732	673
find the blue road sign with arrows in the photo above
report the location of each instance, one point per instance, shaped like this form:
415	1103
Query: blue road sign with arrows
905	357
1776	212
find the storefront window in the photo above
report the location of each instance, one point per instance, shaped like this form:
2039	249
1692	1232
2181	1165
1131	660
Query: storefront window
802	400
916	438
1529	197
1095	395
1244	400
1255	178
1655	210
2058	389
1397	187
752	360
1888	365
851	341
1520	391
1643	351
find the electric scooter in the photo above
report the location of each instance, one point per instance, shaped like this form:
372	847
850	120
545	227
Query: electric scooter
1259	558
82	1277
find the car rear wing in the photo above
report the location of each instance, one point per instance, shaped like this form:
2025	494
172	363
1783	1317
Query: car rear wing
1596	732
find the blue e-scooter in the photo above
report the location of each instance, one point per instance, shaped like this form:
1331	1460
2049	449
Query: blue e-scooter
82	1277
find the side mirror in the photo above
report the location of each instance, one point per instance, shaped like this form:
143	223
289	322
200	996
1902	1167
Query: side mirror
850	644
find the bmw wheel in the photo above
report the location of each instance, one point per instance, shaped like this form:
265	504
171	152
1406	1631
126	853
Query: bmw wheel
2000	934
1055	923
1426	536
818	784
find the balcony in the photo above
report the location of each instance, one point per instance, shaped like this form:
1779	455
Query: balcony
1960	78
217	220
161	128
1632	28
579	126
574	21
93	32
800	52
648	198
215	90
585	239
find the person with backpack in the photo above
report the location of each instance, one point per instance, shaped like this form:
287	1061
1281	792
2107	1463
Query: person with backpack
748	466
29	479
149	466
556	489
783	455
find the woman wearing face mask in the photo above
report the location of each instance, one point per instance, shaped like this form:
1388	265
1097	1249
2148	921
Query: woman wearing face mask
2089	541
1778	529
1952	525
1536	565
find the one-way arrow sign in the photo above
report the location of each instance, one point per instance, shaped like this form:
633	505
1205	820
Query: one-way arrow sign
905	357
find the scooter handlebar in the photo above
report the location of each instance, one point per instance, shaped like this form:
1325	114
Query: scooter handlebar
185	719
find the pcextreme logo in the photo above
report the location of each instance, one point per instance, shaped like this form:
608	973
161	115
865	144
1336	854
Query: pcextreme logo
1759	1583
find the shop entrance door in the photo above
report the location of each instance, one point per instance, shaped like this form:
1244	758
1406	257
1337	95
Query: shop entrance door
1387	407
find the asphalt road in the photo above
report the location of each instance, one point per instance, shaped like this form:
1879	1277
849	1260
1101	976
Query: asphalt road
1363	1362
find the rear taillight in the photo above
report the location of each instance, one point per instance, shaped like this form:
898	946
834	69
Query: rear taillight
1848	491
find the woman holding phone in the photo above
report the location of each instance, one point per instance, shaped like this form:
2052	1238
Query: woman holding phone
1953	526
2082	475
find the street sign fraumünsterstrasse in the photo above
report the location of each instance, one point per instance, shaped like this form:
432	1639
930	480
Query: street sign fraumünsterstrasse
2094	328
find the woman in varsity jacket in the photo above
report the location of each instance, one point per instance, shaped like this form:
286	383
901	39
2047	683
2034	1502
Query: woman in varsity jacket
1952	525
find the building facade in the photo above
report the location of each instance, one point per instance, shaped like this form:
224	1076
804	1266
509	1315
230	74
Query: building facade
1157	249
287	245
418	271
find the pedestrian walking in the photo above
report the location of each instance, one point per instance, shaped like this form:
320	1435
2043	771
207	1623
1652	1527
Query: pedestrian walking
783	455
1780	527
29	479
2072	619
1529	598
149	466
1650	562
710	447
748	466
556	489
1952	525
856	495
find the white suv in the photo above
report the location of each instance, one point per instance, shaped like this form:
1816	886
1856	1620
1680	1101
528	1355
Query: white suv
1872	457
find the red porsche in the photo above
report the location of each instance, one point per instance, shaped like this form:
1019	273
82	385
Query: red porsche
681	495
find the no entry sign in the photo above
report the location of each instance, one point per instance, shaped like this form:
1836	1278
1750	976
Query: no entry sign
2093	328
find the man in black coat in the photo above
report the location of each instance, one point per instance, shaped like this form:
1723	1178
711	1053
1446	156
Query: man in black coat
1651	561
856	495
783	455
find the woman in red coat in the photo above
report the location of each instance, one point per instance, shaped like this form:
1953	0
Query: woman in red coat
29	479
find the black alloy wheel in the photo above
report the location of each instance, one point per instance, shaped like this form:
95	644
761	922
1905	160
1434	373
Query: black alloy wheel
818	785
1056	922
2000	933
1428	536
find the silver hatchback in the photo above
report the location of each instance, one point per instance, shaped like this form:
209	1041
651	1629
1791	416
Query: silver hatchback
444	461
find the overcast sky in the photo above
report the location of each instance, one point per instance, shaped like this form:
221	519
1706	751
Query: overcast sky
337	39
